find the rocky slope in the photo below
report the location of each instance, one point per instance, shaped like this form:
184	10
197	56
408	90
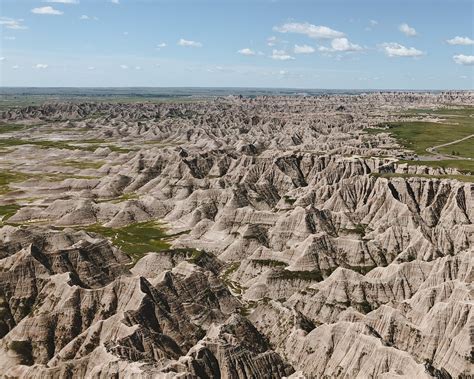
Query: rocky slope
301	246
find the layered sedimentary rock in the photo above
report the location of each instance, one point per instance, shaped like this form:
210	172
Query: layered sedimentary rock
302	246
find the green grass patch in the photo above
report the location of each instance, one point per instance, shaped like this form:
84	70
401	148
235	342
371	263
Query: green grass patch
388	175
360	269
64	145
314	275
233	267
23	349
269	262
459	111
8	128
376	130
463	165
9	177
461	149
136	239
12	142
119	199
7	211
358	229
81	164
421	135
289	199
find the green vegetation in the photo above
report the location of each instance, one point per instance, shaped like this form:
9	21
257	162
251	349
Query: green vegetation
85	145
119	199
13	101
235	287
23	349
462	178
11	142
421	135
361	269
376	130
463	165
8	177
364	307
289	199
6	211
461	149
269	262
81	164
314	275
136	239
196	257
233	267
7	128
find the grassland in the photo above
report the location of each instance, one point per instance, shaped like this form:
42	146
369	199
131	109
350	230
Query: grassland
136	239
8	128
464	166
10	101
82	164
8	177
421	136
86	145
6	211
462	178
462	149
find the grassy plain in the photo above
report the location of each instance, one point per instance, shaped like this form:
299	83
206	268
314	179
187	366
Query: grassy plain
418	136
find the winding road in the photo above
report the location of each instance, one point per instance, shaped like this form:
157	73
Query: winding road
432	150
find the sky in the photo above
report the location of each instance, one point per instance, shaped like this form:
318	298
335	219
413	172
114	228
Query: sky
337	44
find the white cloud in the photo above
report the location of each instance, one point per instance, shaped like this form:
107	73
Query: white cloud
187	43
2	59
91	68
407	30
15	67
115	1
47	10
123	66
87	18
372	24
393	49
161	45
247	51
138	68
9	38
272	41
467	60
11	23
303	49
281	55
62	1
125	33
310	30
40	66
341	45
460	41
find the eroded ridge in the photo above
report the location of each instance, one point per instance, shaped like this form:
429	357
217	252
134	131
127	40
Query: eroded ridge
234	237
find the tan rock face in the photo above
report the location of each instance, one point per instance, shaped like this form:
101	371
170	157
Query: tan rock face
294	255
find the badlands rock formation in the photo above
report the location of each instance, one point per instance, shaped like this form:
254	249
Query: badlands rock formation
301	246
